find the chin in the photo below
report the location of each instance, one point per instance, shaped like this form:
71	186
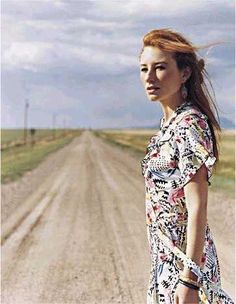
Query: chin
153	97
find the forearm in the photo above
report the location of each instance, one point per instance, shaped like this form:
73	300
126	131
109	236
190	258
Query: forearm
197	220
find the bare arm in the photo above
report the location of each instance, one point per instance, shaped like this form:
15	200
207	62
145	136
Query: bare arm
196	194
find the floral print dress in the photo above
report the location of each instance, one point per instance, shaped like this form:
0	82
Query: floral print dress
173	156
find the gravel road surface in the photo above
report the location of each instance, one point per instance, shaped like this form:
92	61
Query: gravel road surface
73	229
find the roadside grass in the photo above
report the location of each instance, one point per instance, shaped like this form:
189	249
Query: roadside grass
17	160
11	135
223	177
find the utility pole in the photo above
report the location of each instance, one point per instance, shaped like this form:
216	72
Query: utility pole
64	125
54	125
25	119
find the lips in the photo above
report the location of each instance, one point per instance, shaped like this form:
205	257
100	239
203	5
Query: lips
151	88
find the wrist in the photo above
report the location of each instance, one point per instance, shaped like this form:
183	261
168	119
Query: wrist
188	273
189	280
188	284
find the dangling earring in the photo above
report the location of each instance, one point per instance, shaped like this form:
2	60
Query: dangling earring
184	91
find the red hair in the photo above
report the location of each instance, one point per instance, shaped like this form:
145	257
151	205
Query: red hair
184	53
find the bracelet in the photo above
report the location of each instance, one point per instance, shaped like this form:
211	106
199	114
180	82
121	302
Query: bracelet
189	280
188	285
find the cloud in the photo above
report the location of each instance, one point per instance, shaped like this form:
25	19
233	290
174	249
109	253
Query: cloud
48	42
80	58
139	10
41	56
50	98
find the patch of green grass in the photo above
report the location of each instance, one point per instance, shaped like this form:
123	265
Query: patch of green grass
10	135
224	184
17	160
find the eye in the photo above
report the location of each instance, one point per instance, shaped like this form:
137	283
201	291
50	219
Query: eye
143	69
160	67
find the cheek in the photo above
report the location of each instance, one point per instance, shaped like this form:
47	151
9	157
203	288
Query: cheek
164	75
168	78
142	78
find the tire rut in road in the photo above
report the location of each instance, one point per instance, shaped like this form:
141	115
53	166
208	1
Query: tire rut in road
76	252
90	244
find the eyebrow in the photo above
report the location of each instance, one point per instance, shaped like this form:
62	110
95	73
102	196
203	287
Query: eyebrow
156	62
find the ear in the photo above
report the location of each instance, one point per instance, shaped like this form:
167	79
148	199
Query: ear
186	74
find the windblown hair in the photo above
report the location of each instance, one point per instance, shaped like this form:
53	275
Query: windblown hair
184	53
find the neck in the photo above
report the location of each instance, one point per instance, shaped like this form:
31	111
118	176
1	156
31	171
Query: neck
169	108
170	104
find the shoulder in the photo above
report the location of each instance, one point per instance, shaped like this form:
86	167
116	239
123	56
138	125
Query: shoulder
191	113
192	118
193	130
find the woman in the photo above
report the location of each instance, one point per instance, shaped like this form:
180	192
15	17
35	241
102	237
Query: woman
177	168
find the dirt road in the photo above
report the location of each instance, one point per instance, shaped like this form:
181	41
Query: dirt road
80	237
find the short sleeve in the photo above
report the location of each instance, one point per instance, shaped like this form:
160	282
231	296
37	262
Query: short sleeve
194	147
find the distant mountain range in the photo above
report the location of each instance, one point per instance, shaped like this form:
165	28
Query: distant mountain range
225	123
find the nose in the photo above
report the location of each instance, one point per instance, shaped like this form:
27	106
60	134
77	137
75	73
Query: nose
151	76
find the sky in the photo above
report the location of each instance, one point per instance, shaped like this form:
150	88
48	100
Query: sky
77	61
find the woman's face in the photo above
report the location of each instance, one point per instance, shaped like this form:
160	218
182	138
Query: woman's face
159	74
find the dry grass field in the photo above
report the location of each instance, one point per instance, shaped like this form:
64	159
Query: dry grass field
137	140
